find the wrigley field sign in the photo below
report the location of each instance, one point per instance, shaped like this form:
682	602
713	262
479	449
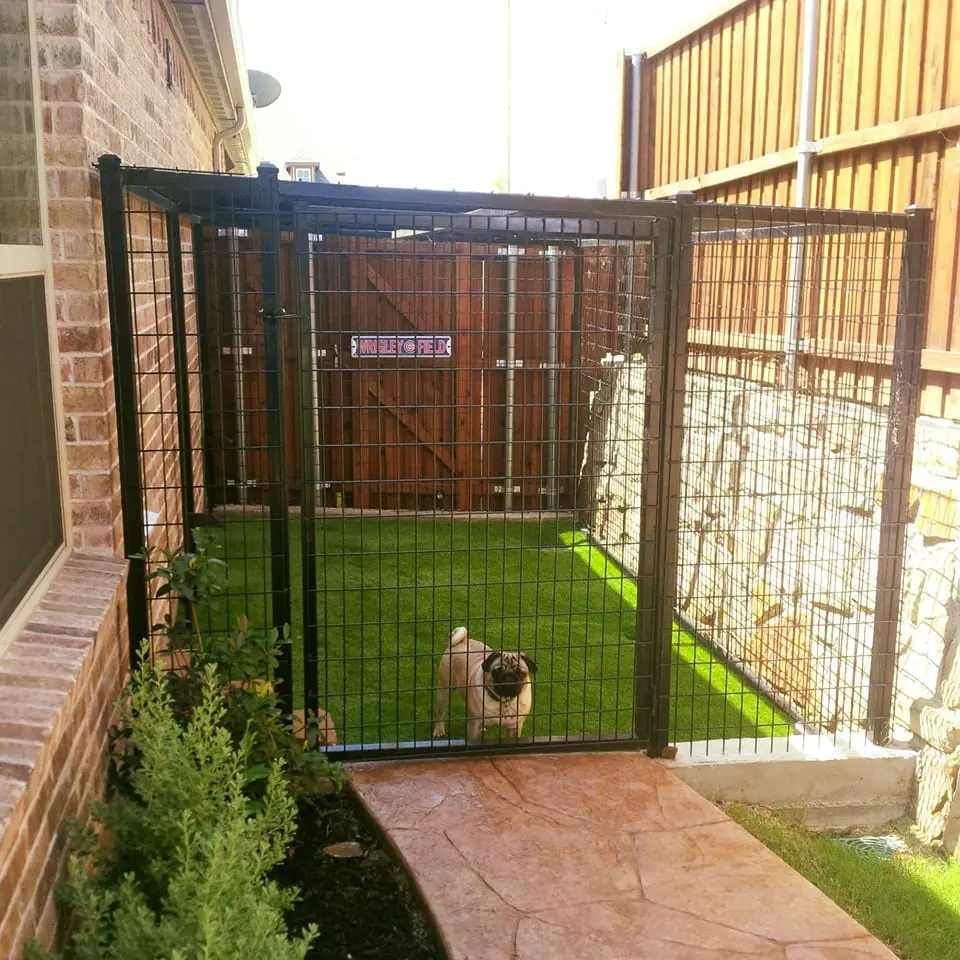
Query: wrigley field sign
412	346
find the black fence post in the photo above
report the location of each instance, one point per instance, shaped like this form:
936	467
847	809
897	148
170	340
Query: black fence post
307	349
180	375
901	422
122	340
273	316
665	384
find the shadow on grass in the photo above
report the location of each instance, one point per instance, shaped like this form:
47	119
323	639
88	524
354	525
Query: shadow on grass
390	591
912	903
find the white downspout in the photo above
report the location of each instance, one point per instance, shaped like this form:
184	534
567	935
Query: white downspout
552	364
231	131
806	147
510	387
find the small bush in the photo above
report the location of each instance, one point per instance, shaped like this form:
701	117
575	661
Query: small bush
181	869
246	660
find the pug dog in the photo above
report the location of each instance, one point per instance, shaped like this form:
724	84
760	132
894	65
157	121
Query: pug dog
495	684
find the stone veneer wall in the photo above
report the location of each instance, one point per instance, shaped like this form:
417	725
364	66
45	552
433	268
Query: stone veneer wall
779	531
928	682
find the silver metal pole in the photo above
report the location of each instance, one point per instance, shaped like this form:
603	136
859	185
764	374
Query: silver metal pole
237	351
553	411
510	388
314	355
635	127
805	150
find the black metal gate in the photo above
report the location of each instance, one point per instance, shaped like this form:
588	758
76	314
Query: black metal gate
401	412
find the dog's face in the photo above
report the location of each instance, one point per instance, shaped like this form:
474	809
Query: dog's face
507	673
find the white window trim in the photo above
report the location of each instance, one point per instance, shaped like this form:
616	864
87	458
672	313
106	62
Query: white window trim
36	260
298	170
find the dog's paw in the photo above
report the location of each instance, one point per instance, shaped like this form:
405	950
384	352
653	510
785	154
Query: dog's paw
439	730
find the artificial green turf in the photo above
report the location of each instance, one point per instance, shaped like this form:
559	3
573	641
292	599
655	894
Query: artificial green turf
912	902
391	590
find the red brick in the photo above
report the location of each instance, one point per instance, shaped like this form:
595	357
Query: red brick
75	182
100	538
74	276
83	339
94	427
17	758
89	456
70	214
81	246
92	514
88	308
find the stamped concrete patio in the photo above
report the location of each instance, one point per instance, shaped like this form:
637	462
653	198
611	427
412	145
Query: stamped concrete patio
595	857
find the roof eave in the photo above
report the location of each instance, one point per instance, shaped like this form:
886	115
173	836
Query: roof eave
211	33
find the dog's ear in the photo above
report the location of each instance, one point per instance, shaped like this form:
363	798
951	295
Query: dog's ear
488	661
531	666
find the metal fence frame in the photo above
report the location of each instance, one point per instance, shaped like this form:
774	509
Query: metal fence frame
269	204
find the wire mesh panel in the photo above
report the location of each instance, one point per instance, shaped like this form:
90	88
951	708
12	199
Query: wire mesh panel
448	426
652	458
797	410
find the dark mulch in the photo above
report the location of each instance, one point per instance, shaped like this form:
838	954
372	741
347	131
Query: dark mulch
364	907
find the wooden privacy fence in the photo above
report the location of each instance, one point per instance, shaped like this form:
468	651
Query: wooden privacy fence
714	109
410	432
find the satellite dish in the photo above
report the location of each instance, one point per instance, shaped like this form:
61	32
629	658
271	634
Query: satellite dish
264	89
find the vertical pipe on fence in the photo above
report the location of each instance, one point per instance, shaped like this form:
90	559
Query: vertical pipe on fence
237	352
552	364
665	384
272	315
123	344
576	360
181	378
805	150
635	68
511	378
206	363
902	414
309	461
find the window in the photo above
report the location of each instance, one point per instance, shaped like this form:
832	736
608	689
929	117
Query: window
302	175
32	518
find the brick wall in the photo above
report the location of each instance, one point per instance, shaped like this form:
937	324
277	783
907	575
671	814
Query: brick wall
104	90
19	190
59	682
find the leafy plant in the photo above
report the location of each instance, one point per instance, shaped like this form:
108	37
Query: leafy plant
246	659
185	872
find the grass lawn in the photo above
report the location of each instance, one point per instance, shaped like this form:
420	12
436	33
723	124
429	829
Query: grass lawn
912	902
391	590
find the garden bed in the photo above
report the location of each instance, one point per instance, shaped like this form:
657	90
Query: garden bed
364	906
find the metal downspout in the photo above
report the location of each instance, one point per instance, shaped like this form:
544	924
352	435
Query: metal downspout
553	273
805	150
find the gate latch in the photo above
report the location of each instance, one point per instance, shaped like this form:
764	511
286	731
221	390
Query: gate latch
280	314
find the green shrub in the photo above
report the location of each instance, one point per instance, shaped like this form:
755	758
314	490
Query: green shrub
181	871
246	660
